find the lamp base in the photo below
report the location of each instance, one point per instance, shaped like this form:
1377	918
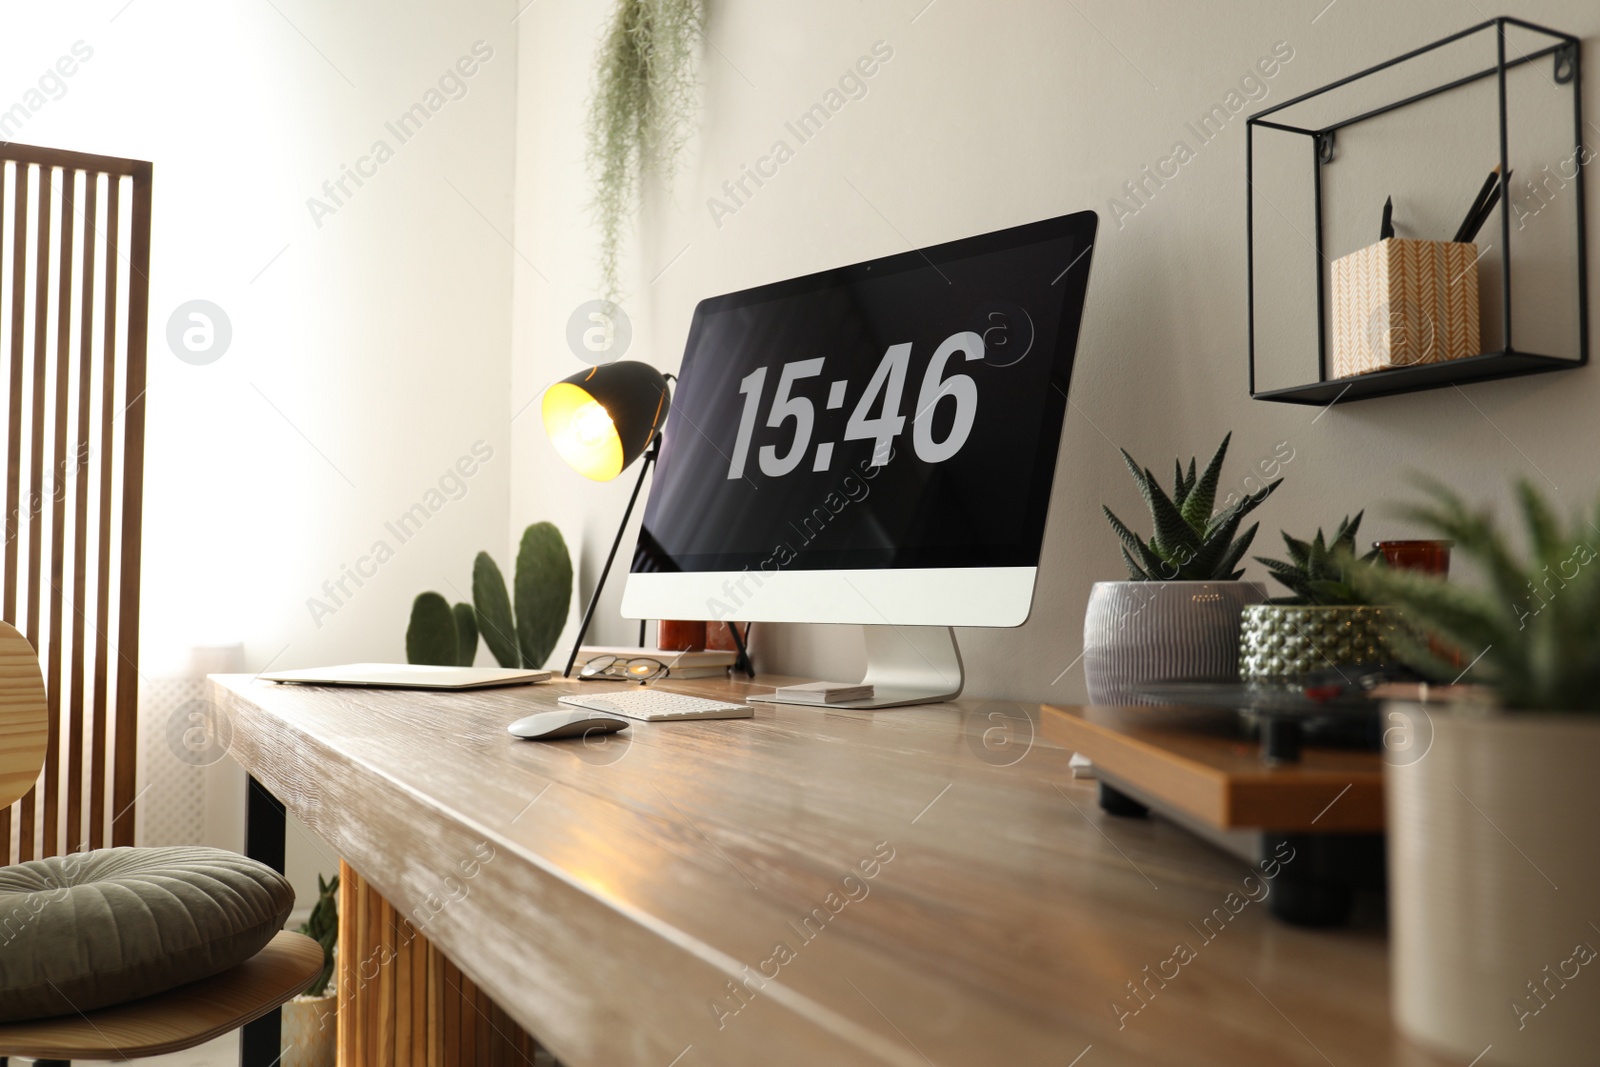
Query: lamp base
905	665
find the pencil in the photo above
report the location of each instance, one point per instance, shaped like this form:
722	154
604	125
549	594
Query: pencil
1477	205
1488	207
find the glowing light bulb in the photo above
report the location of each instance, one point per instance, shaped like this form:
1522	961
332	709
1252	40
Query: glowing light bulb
591	425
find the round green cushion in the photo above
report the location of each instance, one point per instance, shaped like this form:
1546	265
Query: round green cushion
94	929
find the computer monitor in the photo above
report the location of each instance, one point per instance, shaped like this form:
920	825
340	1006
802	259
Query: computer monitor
873	444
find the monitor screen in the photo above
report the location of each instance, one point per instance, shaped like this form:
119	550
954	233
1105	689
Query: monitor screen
903	413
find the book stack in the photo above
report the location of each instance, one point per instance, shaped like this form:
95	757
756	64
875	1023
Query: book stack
712	663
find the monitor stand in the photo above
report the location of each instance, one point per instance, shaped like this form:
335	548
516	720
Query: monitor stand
905	665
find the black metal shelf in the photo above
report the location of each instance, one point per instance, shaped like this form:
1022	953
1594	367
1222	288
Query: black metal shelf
1483	368
1563	52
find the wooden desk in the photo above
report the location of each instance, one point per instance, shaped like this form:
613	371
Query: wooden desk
636	894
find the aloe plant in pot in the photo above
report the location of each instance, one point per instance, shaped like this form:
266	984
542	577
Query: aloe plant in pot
1178	614
1323	622
1493	801
310	1021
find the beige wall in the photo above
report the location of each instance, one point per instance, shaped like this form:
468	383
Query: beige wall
994	114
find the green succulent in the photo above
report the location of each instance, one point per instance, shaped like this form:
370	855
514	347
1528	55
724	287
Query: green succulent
1190	543
323	928
1531	632
520	633
1317	572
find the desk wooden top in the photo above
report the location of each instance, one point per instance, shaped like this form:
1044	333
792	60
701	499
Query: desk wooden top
912	887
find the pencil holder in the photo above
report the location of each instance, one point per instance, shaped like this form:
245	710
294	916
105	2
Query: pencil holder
1404	301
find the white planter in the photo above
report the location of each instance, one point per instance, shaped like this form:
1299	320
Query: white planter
1494	883
1146	631
311	1032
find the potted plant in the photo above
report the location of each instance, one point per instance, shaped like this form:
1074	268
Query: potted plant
310	1021
1323	623
1493	801
640	115
1178	614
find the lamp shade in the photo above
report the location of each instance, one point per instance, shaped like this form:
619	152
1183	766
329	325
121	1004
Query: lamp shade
602	419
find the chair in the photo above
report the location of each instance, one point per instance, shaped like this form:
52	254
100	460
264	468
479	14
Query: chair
169	1022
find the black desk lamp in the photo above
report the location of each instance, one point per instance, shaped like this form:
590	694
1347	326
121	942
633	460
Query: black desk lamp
600	421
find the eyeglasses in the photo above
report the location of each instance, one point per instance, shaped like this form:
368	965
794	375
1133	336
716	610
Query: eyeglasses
608	668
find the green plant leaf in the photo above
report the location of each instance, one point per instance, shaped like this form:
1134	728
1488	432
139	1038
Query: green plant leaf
1197	509
1173	536
1134	571
543	593
493	607
466	635
431	636
1218	546
1543	534
1149	560
1236	552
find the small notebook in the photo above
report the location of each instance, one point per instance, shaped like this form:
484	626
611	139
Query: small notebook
409	676
822	693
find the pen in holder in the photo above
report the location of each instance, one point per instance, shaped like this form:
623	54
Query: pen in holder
1404	301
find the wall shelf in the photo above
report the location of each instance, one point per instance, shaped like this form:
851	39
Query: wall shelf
1483	368
1323	119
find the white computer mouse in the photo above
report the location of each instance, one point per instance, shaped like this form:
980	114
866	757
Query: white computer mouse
554	725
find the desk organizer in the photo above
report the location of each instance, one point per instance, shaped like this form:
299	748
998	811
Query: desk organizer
1402	302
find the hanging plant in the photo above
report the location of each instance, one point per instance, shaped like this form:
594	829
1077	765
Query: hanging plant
640	115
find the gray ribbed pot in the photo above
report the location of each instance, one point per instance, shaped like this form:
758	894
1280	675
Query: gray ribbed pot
1287	641
1148	631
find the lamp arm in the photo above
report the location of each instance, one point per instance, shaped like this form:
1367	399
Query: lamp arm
594	598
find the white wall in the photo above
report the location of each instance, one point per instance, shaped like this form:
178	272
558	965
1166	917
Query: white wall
990	115
368	352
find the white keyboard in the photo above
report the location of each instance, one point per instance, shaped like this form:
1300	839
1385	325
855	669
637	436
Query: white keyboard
653	705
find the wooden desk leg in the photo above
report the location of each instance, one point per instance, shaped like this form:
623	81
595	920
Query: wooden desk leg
265	827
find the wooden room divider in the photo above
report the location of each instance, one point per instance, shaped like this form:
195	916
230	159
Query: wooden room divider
74	313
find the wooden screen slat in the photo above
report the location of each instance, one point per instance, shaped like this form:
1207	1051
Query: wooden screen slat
58	515
126	763
35	514
80	515
41	353
10	528
19	273
102	613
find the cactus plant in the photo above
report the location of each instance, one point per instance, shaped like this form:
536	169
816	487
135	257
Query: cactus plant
447	636
432	637
494	611
1190	543
543	591
323	928
1317	572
